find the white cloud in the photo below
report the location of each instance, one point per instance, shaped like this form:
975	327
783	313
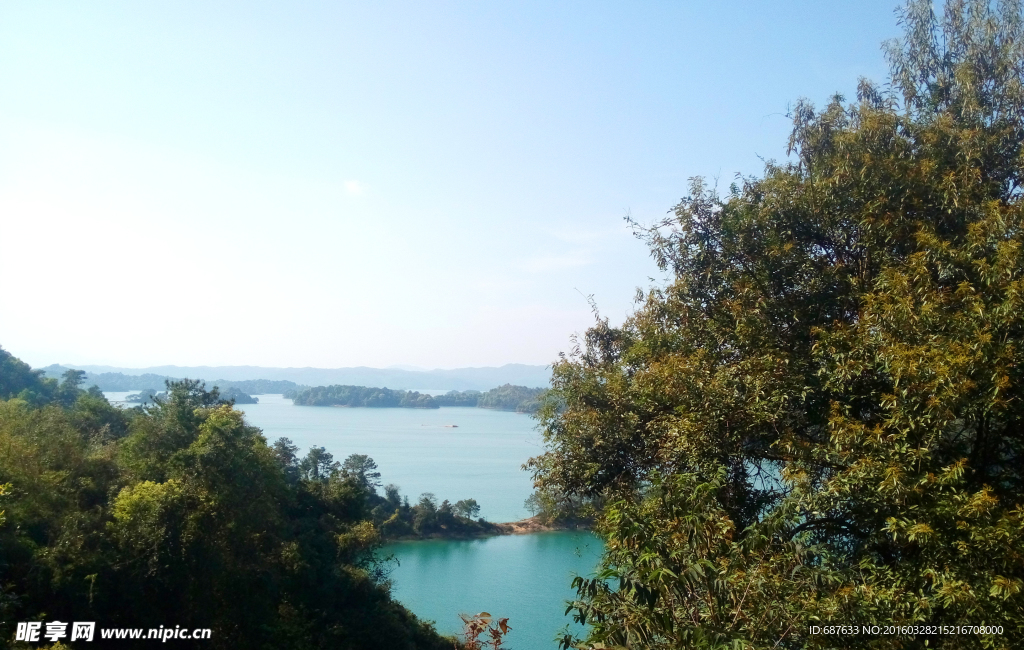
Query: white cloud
355	188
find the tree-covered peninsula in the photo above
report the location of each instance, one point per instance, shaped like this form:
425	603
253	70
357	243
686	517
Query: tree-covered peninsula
504	398
360	396
391	513
180	513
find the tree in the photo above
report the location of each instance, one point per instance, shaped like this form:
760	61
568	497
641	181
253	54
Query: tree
467	508
284	452
364	469
17	379
818	419
425	514
532	504
318	465
68	392
392	493
428	500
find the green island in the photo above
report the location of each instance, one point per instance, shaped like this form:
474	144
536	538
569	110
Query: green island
236	395
504	398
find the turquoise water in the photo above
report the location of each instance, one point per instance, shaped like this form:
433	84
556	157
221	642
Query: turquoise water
523	577
413	448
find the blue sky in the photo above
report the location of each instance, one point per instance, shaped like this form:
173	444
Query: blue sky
373	183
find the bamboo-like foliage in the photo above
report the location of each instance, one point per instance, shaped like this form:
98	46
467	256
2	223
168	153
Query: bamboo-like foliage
818	419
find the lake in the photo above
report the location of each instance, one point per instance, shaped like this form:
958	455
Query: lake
523	577
418	449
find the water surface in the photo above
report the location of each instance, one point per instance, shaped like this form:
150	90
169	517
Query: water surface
417	449
524	577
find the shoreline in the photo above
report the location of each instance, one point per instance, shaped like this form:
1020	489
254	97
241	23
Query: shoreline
533	525
527	526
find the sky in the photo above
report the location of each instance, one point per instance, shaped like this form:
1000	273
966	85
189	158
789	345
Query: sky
332	184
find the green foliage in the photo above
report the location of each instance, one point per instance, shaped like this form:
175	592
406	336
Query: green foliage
467	508
3	492
180	513
428	518
512	398
818	420
468	398
503	398
391	515
319	465
17	379
551	505
396	518
363	469
360	396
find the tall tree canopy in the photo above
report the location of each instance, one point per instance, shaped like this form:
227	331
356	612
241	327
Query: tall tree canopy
818	418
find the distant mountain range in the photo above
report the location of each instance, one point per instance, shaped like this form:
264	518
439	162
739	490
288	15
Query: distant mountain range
396	378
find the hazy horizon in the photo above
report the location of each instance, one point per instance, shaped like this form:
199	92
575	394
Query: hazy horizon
443	379
401	367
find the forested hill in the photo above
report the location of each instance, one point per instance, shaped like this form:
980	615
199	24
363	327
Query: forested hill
395	378
182	514
504	398
113	381
119	381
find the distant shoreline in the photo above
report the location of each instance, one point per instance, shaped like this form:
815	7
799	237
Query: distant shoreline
527	526
533	525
